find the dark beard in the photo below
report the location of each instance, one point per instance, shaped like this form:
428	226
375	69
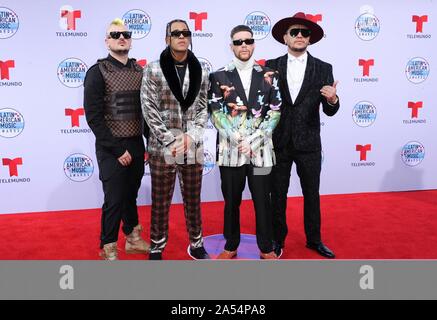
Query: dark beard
298	49
121	52
245	59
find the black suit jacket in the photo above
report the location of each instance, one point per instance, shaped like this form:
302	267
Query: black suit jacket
300	121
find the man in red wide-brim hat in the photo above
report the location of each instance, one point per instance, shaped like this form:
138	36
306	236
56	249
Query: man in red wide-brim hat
304	83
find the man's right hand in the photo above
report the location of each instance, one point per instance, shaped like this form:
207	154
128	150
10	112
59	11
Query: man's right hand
125	159
177	146
244	147
181	145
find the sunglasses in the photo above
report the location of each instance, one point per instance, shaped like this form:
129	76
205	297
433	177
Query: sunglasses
178	33
117	34
239	42
304	32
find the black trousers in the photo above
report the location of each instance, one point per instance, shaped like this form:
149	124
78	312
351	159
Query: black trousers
233	181
120	186
308	167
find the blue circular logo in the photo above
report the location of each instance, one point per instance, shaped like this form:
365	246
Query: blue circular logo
413	153
207	64
11	123
9	23
364	113
209	126
367	26
138	22
78	167
417	70
208	162
71	72
260	24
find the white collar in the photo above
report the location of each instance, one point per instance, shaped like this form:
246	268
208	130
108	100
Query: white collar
243	65
302	59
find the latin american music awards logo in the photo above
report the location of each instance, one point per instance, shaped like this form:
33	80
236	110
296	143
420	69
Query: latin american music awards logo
367	25
260	24
364	114
413	153
208	162
209	125
11	123
9	23
71	72
78	167
138	22
206	63
417	70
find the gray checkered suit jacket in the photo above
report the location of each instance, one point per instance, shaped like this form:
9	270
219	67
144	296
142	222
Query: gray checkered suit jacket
163	112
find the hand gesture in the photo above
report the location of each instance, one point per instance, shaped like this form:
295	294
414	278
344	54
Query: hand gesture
330	93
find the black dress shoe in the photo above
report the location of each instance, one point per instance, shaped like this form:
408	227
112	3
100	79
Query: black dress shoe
322	250
199	253
155	256
277	248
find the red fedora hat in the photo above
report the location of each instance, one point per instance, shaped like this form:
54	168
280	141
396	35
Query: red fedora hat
280	28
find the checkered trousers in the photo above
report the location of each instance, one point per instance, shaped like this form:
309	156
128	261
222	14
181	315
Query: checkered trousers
163	182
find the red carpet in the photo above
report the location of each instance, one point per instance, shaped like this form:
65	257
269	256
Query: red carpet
396	225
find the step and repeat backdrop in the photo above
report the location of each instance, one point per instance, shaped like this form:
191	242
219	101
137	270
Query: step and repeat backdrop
382	139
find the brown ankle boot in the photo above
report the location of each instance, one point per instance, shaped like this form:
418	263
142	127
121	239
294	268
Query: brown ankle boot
109	252
134	242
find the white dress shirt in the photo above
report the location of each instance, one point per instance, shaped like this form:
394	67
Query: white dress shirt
244	69
295	73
